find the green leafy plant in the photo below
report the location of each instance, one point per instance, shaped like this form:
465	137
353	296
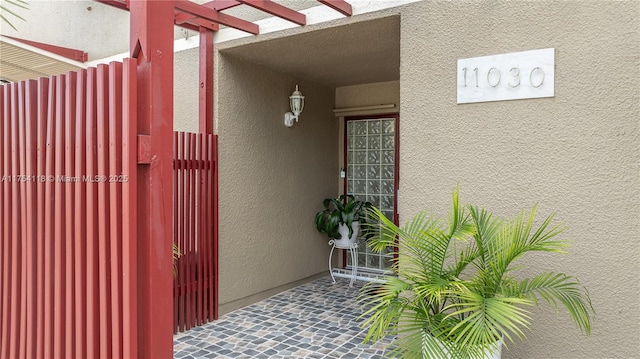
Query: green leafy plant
5	8
342	210
456	292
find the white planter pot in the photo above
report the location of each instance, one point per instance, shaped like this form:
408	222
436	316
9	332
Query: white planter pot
345	241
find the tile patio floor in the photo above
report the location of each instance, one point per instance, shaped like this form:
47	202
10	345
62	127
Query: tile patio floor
315	320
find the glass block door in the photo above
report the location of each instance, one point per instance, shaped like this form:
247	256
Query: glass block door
371	151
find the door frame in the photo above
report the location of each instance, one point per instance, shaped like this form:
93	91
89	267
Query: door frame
396	174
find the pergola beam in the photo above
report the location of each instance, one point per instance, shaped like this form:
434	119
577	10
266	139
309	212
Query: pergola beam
193	16
220	5
72	54
208	14
278	10
340	6
194	23
118	4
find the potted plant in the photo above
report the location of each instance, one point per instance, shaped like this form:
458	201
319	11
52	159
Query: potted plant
340	219
456	294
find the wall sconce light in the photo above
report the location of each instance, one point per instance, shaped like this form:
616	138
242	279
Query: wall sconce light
296	101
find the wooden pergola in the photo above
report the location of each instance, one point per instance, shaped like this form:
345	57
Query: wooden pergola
151	38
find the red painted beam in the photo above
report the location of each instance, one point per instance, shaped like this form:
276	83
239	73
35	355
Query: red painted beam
115	3
193	22
73	54
278	10
341	6
221	4
214	16
206	82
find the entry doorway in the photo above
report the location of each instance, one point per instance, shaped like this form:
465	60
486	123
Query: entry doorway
371	161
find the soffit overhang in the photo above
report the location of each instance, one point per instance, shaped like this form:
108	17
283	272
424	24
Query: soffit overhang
19	61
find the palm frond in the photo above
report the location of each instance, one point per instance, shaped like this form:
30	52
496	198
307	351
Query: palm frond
16	3
558	287
486	320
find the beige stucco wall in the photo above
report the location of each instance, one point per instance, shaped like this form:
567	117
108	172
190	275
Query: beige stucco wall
272	180
576	154
380	93
186	89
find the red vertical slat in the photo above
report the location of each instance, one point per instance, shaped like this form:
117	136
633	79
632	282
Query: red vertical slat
202	259
68	203
15	230
79	209
206	239
48	223
4	250
5	310
113	173
43	104
215	216
21	210
103	212
129	212
191	225
192	230
211	227
58	225
194	225
30	159
92	290
184	229
201	238
176	229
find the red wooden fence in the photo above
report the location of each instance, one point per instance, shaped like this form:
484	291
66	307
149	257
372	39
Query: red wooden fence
195	299
68	215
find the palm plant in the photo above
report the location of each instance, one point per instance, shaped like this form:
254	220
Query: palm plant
456	293
5	8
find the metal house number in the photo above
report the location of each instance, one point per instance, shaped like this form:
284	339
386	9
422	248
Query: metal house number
517	75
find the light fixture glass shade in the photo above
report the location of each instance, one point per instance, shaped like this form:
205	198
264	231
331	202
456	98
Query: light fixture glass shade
296	101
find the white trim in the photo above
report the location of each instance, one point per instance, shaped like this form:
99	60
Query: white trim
367	275
340	111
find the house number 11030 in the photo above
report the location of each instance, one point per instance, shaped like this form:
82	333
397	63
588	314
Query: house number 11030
516	75
494	76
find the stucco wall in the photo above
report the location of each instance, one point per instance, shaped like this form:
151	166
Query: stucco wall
272	180
576	154
186	90
380	93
